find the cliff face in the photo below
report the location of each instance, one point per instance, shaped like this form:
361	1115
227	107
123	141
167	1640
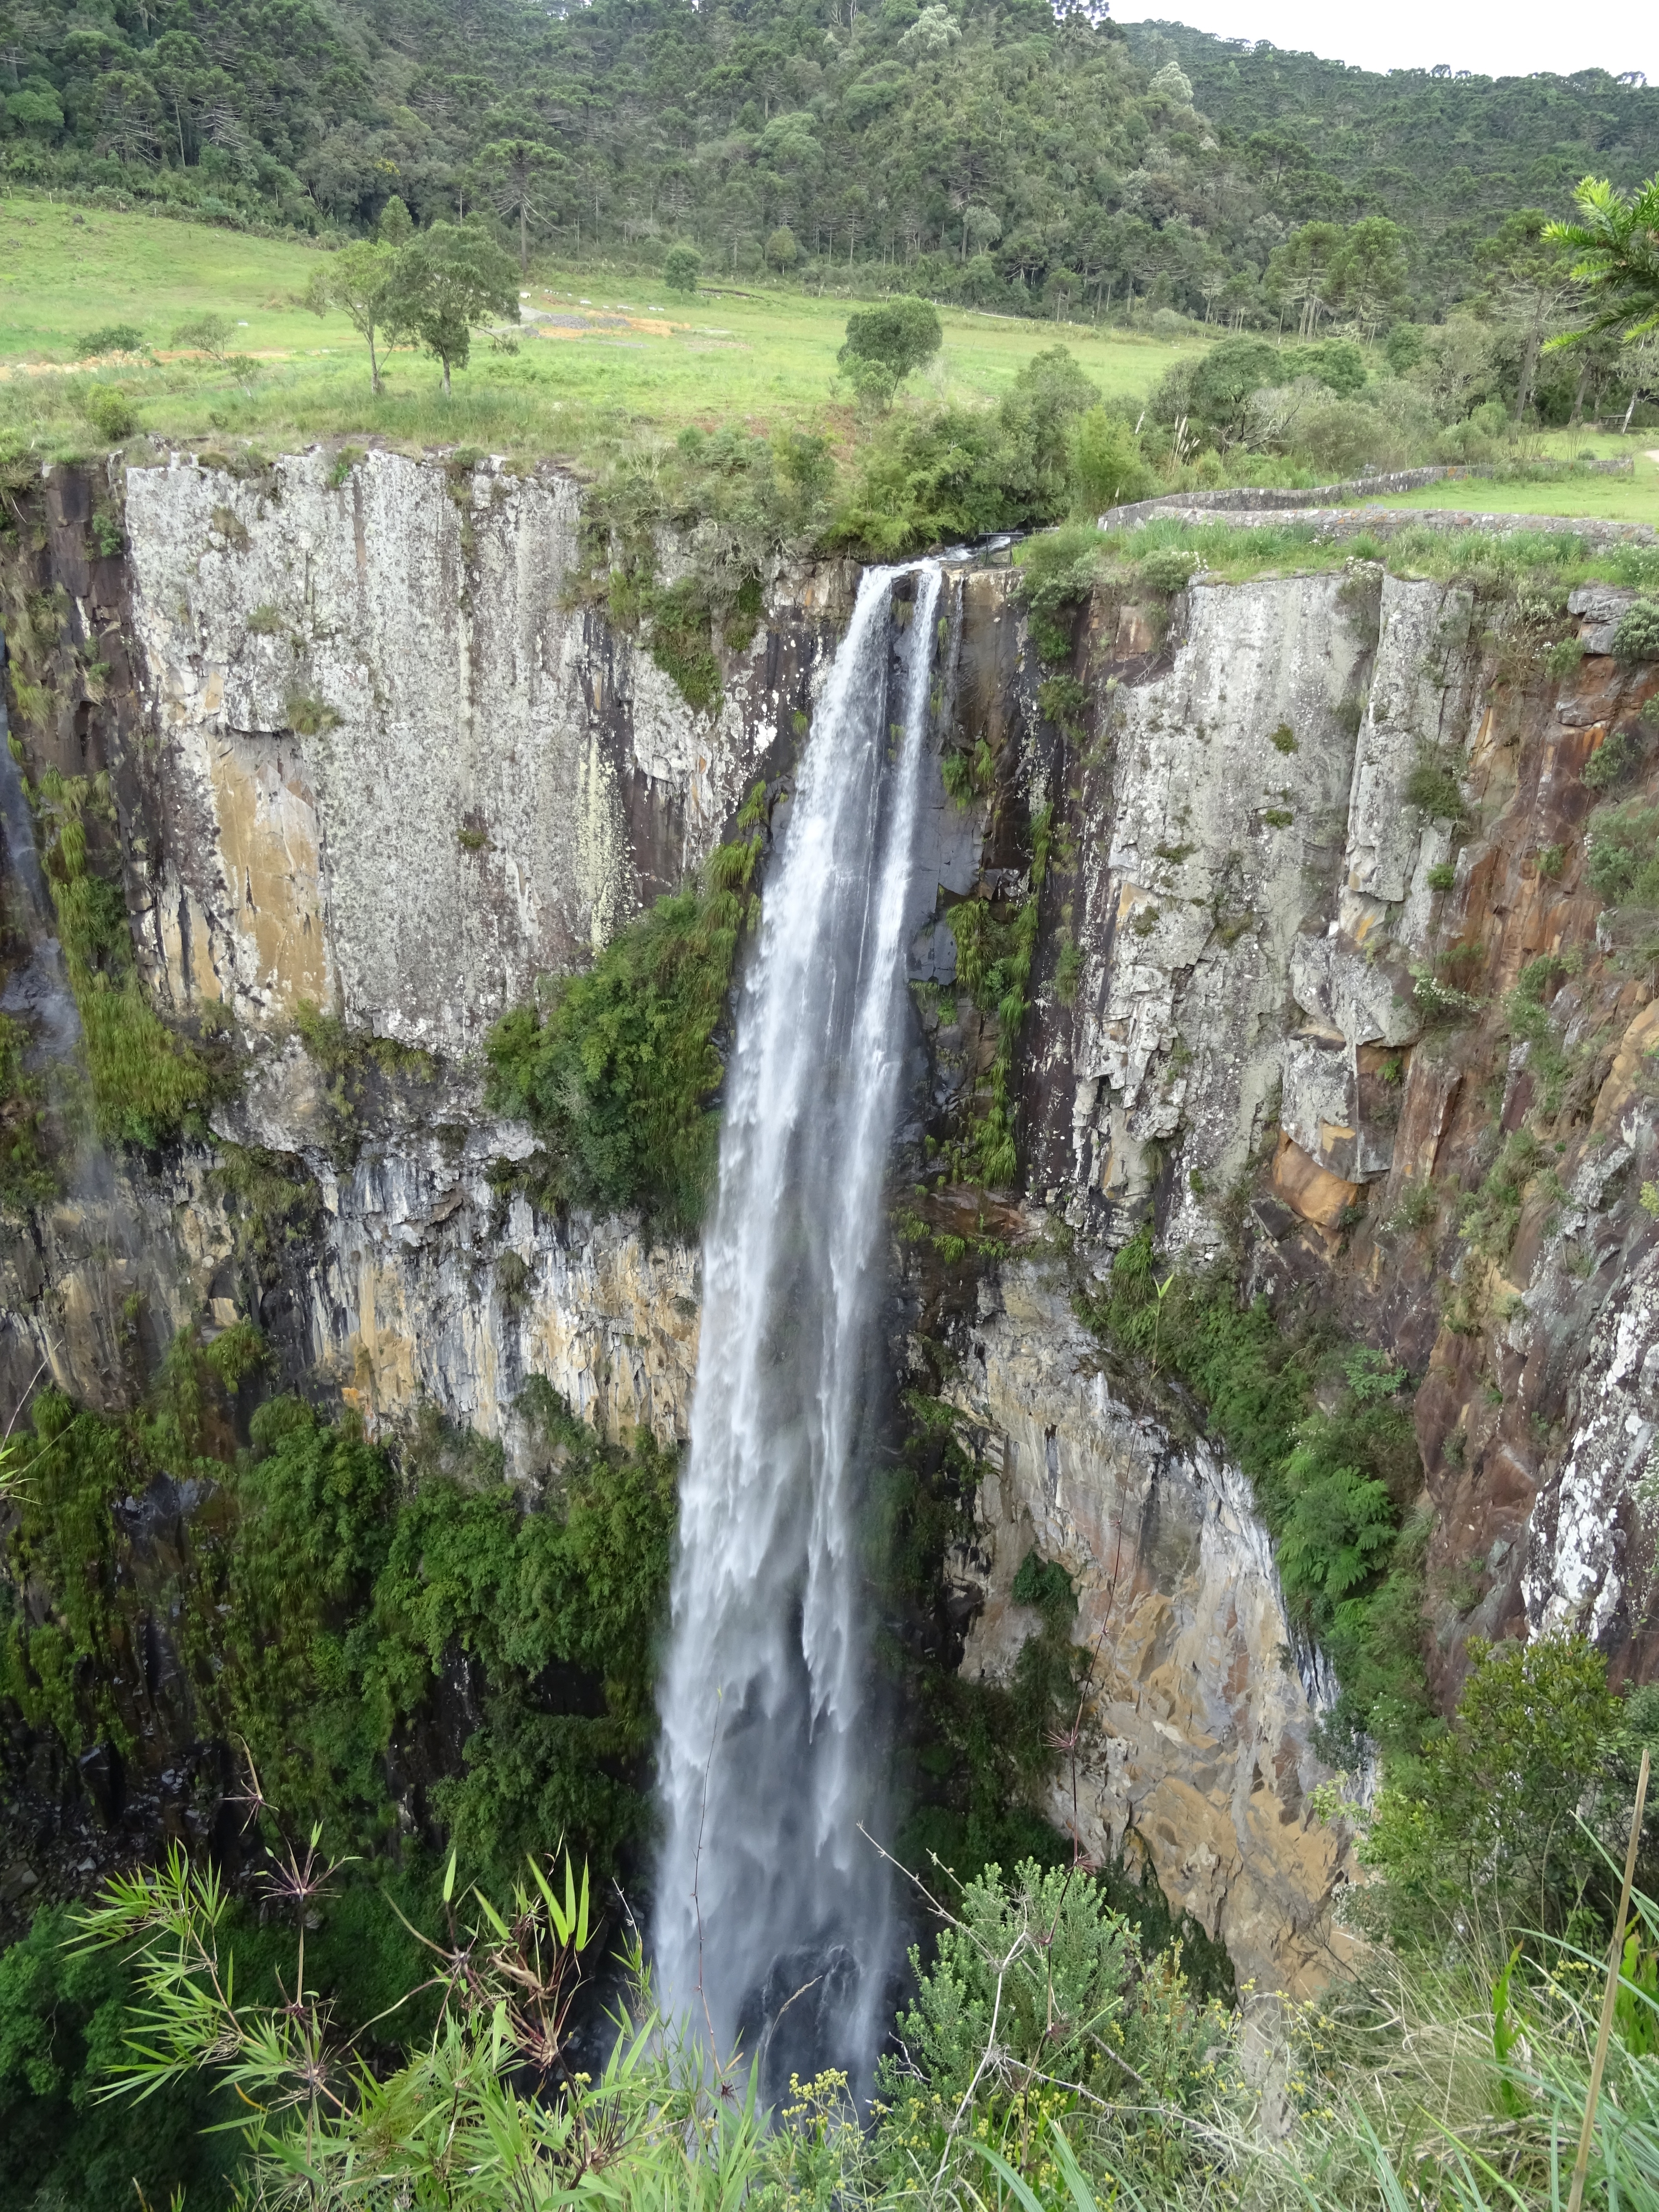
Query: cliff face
1347	997
1198	1751
402	767
373	748
1297	1031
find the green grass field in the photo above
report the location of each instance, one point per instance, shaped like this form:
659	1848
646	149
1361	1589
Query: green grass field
599	358
1633	498
602	360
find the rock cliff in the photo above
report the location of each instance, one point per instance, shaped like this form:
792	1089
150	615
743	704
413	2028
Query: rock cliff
376	749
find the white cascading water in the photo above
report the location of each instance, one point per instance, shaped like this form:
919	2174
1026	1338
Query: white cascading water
772	1925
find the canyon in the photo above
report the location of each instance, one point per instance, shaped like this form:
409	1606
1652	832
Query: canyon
376	749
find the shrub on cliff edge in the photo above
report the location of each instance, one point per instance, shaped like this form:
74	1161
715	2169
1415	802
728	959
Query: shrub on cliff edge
616	1076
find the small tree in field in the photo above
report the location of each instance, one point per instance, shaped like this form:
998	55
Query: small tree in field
781	250
446	281
208	334
358	282
901	334
681	270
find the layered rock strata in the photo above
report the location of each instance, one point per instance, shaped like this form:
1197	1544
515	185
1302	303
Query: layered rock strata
374	747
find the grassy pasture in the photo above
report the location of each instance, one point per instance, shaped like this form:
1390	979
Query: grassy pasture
603	361
599	358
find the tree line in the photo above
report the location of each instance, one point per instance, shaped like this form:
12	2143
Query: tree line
993	152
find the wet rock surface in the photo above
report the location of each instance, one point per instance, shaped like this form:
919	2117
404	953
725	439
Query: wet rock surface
1270	1008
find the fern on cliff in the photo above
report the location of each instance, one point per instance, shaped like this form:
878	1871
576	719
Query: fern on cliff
321	1590
616	1075
148	1083
1335	1483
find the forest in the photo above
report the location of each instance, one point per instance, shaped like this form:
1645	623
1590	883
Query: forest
996	152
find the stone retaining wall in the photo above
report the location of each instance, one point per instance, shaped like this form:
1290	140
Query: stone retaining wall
1385	522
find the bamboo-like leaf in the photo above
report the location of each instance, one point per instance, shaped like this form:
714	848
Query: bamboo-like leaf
552	1902
491	1915
1023	2193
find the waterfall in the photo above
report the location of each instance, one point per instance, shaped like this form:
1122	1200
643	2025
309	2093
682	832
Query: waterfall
772	1925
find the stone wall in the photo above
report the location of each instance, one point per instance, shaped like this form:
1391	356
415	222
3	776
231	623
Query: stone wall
1252	498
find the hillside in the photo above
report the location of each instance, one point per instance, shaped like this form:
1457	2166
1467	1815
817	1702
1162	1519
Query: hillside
1446	156
986	152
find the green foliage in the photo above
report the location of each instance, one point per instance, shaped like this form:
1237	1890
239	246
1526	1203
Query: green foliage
306	2090
1337	363
109	411
1216	392
63	2014
302	119
113	337
354	1064
1623	854
1440	1002
1432	785
993	966
954	472
898	335
1403	348
1333	1486
1059	571
1061	700
1166	569
1045	1584
1045	2048
1042	1969
1502	1815
1613	241
1492	1213
681	268
361	282
25	1175
316	1604
1107	468
449	277
64	1540
682	645
1618	757
1637	634
615	1073
308	714
580	1590
395	225
208	334
147	1084
745	499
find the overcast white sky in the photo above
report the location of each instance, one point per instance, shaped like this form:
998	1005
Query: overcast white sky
1495	39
